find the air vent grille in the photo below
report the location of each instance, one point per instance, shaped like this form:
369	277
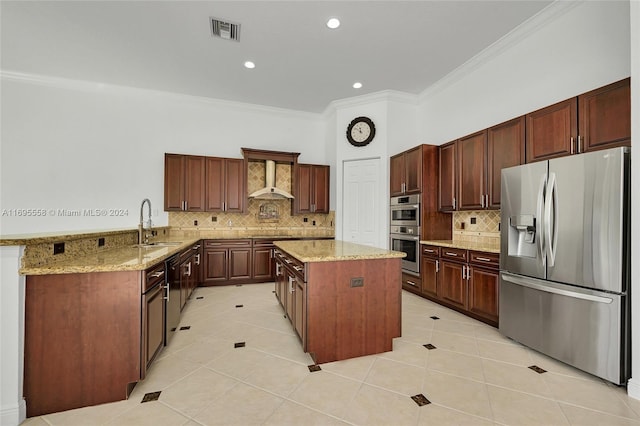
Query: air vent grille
225	29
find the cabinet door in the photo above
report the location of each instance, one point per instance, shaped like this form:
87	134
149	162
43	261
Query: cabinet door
429	276
551	131
320	180
413	170
153	323
302	201
453	284
279	279
194	189
397	174
173	182
472	171
235	191
215	265
215	184
263	263
505	148
186	269
290	289
239	263
300	310
483	293
447	181
605	117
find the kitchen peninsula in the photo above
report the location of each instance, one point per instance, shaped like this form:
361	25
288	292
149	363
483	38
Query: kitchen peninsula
343	299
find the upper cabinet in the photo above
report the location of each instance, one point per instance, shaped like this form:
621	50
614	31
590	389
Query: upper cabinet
225	185
472	171
406	172
311	188
595	120
605	117
447	183
184	178
196	184
505	148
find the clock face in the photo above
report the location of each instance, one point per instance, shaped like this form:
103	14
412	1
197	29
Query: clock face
361	131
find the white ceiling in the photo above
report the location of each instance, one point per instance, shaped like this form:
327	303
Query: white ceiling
300	63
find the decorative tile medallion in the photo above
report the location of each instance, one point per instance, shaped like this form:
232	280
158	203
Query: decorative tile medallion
434	317
429	346
186	327
200	297
239	345
538	369
239	306
420	399
314	367
152	396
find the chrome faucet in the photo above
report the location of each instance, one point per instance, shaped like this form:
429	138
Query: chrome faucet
141	227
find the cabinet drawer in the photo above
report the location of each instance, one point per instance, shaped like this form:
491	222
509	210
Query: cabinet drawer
294	265
431	251
153	276
227	243
485	259
453	254
410	281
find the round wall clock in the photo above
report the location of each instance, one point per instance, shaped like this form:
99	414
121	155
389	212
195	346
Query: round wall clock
361	131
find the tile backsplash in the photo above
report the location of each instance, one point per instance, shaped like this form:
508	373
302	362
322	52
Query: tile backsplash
485	229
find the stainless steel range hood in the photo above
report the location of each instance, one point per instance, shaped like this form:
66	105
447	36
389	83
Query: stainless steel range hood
270	192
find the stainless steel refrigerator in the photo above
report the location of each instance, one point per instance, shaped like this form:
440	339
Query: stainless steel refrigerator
565	260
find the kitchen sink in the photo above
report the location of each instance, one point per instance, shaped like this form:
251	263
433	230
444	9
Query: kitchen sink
159	244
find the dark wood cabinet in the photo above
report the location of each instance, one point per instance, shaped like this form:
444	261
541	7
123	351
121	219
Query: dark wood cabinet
453	284
300	310
184	177
263	267
226	261
472	171
483	292
411	282
429	269
406	172
447	182
605	117
226	185
505	148
153	316
551	130
311	188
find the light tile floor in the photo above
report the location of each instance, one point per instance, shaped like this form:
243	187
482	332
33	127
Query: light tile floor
475	376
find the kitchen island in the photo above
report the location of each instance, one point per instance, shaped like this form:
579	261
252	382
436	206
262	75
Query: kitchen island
343	299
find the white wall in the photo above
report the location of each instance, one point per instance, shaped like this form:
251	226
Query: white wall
76	145
581	46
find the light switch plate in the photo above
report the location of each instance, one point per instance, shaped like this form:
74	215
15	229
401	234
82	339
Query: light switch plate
357	282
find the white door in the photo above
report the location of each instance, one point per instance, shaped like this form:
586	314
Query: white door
361	202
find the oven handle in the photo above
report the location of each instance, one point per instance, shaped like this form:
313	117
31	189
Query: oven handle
403	237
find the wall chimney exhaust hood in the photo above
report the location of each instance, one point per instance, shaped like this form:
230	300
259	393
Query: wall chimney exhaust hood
270	192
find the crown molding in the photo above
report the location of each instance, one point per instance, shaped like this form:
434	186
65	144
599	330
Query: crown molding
95	87
549	14
381	96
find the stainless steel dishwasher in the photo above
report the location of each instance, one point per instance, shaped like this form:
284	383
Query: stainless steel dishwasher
172	296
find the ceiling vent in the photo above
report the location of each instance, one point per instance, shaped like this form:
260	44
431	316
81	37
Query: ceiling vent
225	29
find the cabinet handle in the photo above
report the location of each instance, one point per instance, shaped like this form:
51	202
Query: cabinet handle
484	259
196	247
290	284
571	141
197	261
429	250
277	269
454	203
579	144
486	203
298	268
157	274
186	205
482	201
287	260
448	253
189	269
271	254
437	266
412	283
463	276
166	297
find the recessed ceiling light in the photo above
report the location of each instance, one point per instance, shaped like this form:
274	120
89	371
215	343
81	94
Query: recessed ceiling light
249	65
333	23
357	85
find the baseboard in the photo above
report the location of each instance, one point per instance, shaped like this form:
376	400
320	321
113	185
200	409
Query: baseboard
14	415
633	388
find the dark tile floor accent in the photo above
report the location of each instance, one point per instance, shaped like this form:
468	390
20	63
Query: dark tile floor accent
152	396
538	369
429	346
239	306
200	297
238	285
314	367
173	329
434	317
186	327
420	399
239	345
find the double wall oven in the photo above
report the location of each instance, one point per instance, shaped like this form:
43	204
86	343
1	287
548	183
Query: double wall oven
404	231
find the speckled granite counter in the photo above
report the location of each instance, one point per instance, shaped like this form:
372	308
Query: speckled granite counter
468	245
332	250
127	258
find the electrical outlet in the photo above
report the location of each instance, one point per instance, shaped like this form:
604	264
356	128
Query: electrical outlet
100	242
214	218
357	282
195	223
58	248
473	220
306	219
313	223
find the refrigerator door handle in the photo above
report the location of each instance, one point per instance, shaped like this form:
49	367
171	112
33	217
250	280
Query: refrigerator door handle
551	223
534	284
540	221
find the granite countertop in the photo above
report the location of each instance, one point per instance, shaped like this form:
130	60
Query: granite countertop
127	258
332	250
467	245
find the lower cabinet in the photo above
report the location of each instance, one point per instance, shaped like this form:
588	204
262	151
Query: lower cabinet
263	268
290	288
153	315
189	272
227	261
465	280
